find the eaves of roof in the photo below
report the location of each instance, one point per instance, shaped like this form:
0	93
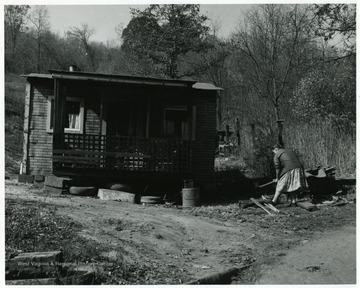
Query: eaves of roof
125	79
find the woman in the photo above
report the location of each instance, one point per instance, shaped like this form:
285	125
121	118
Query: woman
290	175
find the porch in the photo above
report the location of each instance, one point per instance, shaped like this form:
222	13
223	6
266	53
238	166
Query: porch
113	155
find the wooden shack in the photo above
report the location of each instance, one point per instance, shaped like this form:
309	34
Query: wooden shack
121	127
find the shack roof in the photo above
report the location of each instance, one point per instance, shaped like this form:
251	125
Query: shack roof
125	79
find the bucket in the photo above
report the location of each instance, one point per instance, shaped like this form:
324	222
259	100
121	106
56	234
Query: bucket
190	197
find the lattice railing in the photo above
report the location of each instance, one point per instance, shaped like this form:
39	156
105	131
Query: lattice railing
122	153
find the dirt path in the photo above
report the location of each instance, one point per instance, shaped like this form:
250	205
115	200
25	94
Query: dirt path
329	258
181	245
160	235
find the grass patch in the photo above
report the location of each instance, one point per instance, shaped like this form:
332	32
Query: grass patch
322	144
14	121
34	227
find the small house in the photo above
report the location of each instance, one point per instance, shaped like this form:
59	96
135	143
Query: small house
120	127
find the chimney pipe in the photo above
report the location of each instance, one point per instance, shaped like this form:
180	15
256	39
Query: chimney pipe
72	68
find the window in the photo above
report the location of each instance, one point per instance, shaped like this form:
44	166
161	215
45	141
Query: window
74	115
176	122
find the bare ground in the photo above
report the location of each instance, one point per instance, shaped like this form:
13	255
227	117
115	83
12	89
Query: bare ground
177	245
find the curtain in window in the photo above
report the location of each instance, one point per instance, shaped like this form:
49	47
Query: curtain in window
74	121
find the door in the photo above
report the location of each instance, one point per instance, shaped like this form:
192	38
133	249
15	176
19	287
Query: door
120	118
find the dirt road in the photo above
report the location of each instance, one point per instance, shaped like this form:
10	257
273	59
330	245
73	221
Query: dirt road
178	245
329	258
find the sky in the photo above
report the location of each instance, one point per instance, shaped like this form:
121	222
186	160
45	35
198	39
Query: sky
104	18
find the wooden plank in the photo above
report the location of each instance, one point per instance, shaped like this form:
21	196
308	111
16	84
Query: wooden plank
98	153
92	158
147	117
272	207
257	203
307	206
79	161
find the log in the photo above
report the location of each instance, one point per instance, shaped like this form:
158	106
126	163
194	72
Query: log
307	206
220	277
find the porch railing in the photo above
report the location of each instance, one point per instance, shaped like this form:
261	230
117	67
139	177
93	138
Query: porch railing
121	153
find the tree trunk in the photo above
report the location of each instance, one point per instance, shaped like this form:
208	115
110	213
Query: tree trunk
279	123
280	132
219	110
237	127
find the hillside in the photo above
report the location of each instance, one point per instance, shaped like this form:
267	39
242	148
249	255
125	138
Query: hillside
14	117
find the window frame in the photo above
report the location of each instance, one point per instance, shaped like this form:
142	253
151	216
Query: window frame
66	130
175	108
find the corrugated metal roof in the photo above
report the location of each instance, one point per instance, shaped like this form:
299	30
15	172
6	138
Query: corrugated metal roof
126	79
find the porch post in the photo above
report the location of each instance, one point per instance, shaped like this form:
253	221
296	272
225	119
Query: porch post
24	162
103	108
148	117
59	102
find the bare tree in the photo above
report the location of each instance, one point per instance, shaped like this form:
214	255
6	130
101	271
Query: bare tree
15	20
40	20
83	34
274	42
119	30
215	26
337	21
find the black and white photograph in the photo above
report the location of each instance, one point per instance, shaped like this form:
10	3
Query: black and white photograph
179	143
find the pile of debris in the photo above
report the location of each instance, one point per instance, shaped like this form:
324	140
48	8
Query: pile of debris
324	189
322	183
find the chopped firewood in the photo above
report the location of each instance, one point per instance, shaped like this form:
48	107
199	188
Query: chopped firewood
272	207
340	203
257	203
